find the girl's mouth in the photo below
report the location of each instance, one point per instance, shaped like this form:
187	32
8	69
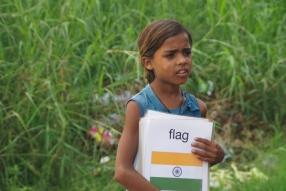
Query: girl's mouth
185	71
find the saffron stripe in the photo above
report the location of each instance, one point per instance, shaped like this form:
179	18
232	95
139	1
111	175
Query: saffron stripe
181	159
178	184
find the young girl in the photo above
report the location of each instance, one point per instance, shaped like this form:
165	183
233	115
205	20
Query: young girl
165	51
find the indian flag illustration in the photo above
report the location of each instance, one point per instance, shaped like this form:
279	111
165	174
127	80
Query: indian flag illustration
176	171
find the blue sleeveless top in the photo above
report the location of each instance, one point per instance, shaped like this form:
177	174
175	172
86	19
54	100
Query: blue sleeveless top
147	99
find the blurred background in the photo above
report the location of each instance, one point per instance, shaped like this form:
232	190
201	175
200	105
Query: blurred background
67	68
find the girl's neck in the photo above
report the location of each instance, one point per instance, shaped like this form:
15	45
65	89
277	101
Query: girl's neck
169	91
171	97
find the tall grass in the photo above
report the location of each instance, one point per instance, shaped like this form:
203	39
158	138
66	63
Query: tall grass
55	56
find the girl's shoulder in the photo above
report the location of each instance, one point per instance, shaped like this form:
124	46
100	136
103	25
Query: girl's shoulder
141	99
203	108
195	105
191	98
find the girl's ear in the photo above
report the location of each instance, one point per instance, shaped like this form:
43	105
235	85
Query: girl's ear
147	63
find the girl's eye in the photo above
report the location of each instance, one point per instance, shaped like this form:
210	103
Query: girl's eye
169	55
188	52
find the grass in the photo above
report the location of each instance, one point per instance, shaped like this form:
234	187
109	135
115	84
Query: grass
273	167
56	56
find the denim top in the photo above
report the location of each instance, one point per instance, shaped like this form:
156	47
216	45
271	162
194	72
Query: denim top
147	99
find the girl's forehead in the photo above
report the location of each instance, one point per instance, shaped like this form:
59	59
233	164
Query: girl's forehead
180	39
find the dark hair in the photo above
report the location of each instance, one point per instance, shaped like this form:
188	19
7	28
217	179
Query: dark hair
153	36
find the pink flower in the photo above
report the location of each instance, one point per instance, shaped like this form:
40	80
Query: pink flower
101	135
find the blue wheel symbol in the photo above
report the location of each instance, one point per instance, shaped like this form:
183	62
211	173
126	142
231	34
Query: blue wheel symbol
177	171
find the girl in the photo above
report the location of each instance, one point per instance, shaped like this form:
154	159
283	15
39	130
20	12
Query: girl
165	51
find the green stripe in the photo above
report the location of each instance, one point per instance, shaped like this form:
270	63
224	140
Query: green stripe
177	184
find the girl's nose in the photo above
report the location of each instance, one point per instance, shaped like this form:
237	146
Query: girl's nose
181	60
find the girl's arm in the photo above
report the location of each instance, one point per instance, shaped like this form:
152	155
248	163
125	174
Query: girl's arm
213	152
125	173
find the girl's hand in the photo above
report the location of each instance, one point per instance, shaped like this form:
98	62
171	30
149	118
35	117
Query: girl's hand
212	153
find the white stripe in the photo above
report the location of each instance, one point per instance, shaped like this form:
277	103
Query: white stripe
166	171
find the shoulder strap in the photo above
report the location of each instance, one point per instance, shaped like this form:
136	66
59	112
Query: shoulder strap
195	108
141	100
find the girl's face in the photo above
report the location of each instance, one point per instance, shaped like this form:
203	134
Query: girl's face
172	62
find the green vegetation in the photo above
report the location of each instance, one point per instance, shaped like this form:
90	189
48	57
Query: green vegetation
57	56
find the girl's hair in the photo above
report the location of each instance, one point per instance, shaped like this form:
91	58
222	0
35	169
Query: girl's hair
153	36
